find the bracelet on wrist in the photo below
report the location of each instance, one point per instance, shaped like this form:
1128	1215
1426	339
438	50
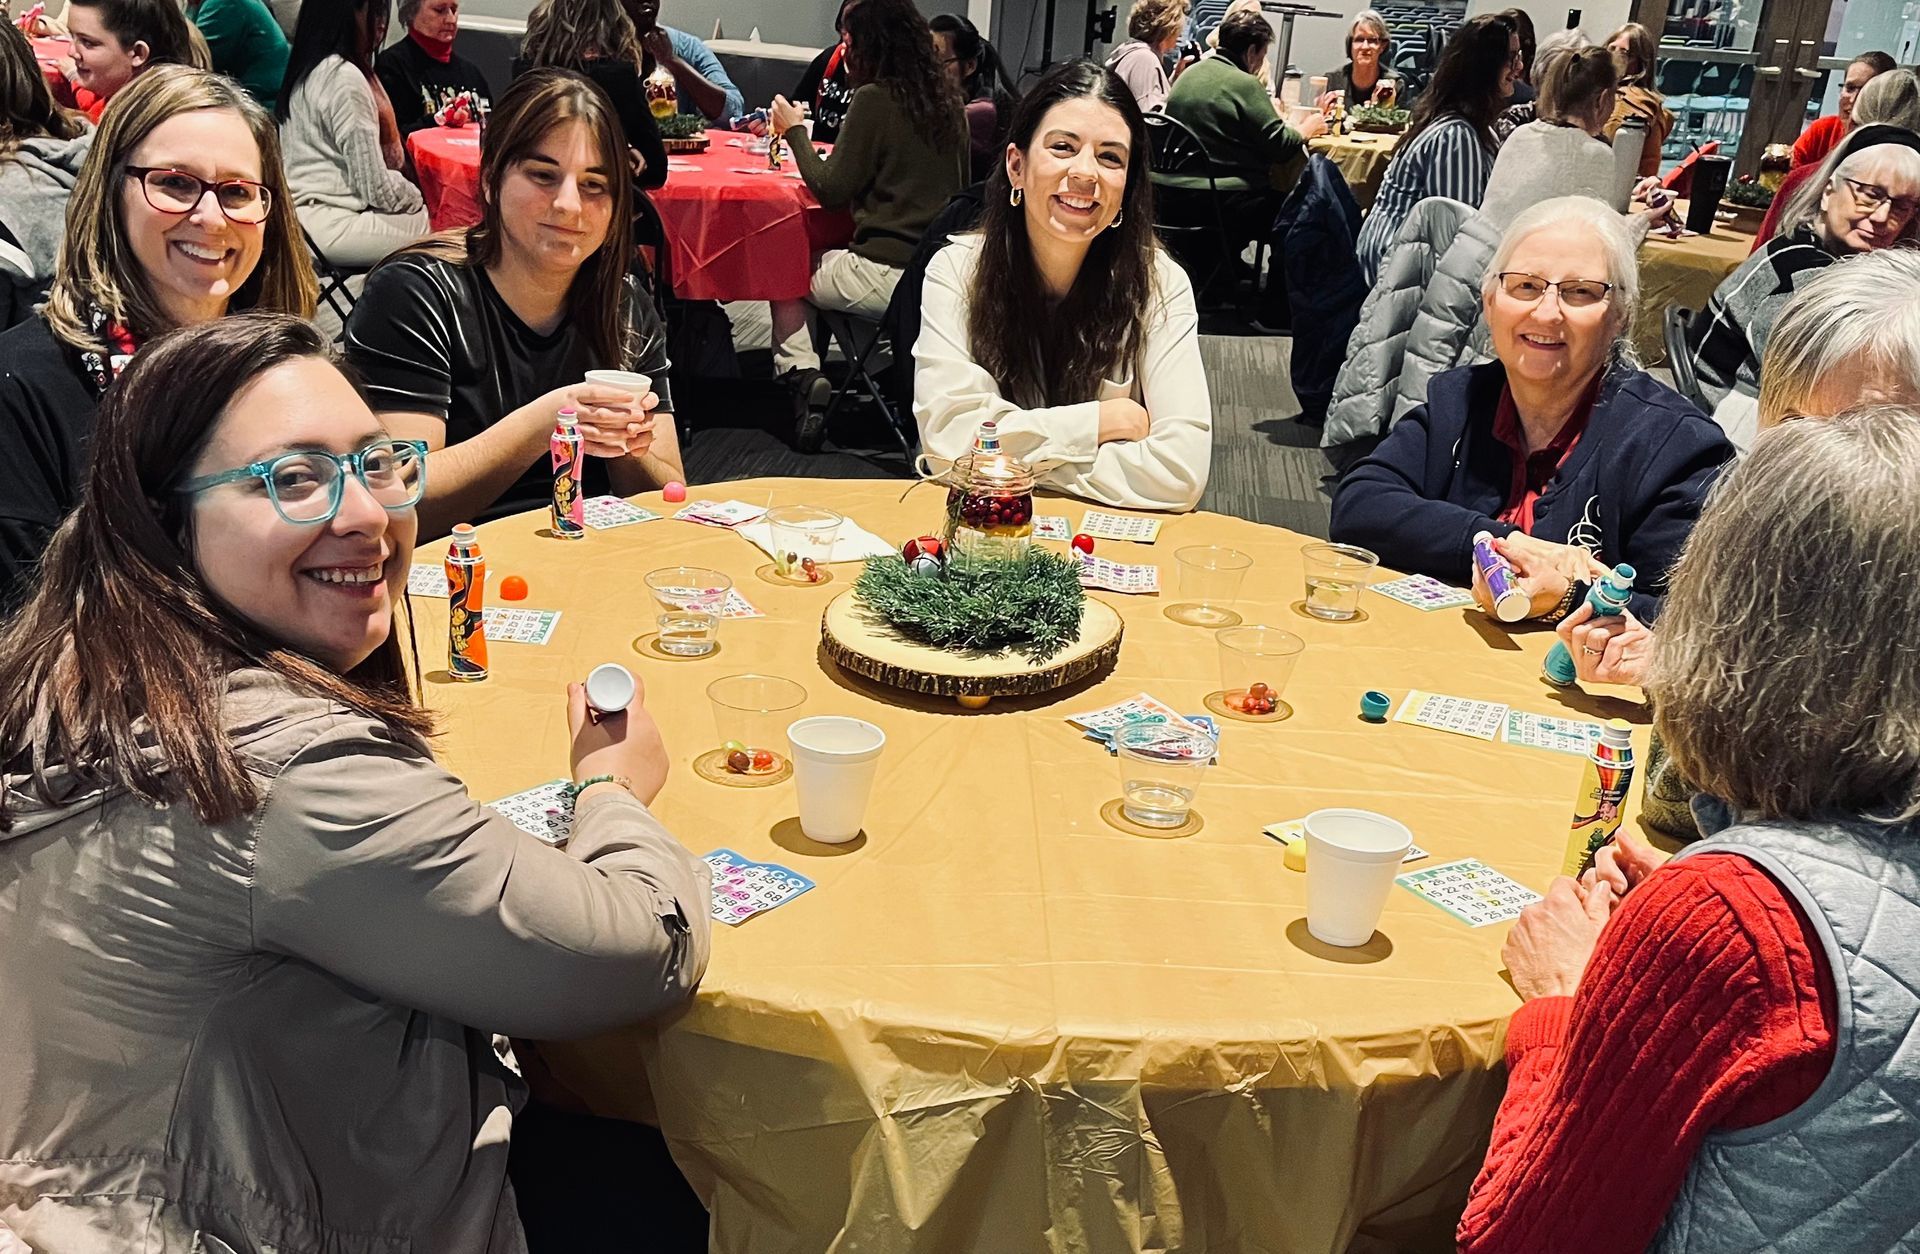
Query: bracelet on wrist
574	790
1568	599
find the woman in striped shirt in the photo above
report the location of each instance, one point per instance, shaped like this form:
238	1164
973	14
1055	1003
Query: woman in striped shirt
1449	149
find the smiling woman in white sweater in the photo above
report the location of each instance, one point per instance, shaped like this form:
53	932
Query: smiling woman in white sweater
1062	319
342	144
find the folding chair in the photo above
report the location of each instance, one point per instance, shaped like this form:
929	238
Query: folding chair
333	281
1172	149
1676	331
863	341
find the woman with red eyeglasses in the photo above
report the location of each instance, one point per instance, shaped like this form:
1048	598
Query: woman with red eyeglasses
180	215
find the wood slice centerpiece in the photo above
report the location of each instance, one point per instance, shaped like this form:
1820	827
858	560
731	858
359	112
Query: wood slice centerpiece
864	643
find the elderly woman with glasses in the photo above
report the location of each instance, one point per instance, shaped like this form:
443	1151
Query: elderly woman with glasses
1866	197
1574	460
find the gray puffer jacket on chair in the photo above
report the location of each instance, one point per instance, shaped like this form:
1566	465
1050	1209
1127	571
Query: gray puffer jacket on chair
1366	396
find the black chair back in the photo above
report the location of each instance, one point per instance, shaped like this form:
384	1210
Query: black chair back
1676	333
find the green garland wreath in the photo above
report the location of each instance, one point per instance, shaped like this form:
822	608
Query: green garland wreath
1033	603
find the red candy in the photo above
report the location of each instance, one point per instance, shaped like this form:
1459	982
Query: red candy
762	759
513	588
1084	543
812	570
739	763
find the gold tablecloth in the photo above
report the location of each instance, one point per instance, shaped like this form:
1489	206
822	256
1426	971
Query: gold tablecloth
1362	158
1682	272
1000	1025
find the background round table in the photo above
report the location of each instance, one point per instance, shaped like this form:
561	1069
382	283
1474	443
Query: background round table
998	1024
50	52
1682	272
1362	158
737	230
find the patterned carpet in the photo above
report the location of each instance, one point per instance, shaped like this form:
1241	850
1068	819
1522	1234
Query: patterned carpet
1266	467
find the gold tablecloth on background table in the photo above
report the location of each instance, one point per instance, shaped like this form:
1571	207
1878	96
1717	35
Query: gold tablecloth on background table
1681	272
998	1024
1362	158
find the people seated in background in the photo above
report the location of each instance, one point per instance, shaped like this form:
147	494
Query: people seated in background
1636	55
825	87
1153	30
1523	83
699	79
1063	320
344	154
284	891
973	66
595	38
1449	146
115	41
1736	1023
902	154
41	148
1369	52
1823	134
180	216
473	341
422	73
1572	459
1866	196
245	43
1892	99
1517	115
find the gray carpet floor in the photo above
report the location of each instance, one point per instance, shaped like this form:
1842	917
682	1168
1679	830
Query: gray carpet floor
1266	467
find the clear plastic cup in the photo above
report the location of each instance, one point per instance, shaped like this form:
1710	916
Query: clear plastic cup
1210	579
1352	857
1255	664
1160	769
751	712
1336	575
690	598
835	760
801	532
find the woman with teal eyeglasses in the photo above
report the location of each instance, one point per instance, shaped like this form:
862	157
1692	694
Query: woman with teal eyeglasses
254	940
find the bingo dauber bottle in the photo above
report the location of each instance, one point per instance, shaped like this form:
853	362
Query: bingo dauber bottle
569	463
1510	600
1607	599
466	613
1602	800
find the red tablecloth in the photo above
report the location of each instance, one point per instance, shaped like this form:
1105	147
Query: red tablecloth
737	230
49	53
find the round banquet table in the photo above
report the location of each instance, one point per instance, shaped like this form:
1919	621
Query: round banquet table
1682	272
999	1024
1362	158
737	230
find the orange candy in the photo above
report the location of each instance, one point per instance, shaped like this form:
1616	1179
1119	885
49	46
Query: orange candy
513	588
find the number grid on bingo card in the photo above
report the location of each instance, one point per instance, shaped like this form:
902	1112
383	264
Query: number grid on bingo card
1470	891
1101	525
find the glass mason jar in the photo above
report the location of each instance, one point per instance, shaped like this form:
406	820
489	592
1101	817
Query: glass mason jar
989	504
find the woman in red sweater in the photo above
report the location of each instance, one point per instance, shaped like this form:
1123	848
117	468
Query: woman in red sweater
1668	1007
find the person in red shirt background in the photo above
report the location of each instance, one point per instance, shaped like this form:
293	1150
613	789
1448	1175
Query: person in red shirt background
115	40
1823	133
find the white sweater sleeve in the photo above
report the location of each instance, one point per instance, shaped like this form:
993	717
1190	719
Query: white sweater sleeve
347	115
1167	470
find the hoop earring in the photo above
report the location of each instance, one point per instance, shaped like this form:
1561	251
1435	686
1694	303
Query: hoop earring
1015	196
1118	218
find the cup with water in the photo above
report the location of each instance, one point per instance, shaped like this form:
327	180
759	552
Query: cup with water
1161	766
1336	574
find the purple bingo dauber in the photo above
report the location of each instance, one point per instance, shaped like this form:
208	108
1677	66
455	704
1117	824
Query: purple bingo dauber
1510	600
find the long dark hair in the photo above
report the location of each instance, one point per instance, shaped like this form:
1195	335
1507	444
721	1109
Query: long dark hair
1043	354
328	28
1467	81
989	80
890	44
122	642
27	108
534	104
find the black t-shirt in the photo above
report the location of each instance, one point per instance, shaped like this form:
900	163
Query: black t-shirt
828	93
621	81
47	409
433	337
420	86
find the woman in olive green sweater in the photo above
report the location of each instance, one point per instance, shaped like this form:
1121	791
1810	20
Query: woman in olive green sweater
901	155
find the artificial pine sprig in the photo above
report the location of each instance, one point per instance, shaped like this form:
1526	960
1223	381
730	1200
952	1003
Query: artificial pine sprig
1032	603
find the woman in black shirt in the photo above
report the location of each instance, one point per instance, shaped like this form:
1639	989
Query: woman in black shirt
596	38
461	338
826	87
422	73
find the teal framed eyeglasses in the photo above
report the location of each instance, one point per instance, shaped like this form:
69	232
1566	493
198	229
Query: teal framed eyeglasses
307	487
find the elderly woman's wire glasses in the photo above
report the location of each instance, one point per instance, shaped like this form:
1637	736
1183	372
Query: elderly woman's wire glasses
176	191
1870	196
1573	293
307	487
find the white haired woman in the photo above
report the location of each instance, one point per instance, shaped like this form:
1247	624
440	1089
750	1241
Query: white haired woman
1866	197
1572	458
1369	51
1714	1053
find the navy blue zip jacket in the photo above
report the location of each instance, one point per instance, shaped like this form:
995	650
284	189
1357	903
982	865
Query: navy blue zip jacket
1629	491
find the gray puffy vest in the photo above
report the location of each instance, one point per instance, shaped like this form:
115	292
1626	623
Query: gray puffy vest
1842	1172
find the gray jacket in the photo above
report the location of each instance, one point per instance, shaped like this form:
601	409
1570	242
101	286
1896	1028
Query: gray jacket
1368	396
273	1034
36	180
